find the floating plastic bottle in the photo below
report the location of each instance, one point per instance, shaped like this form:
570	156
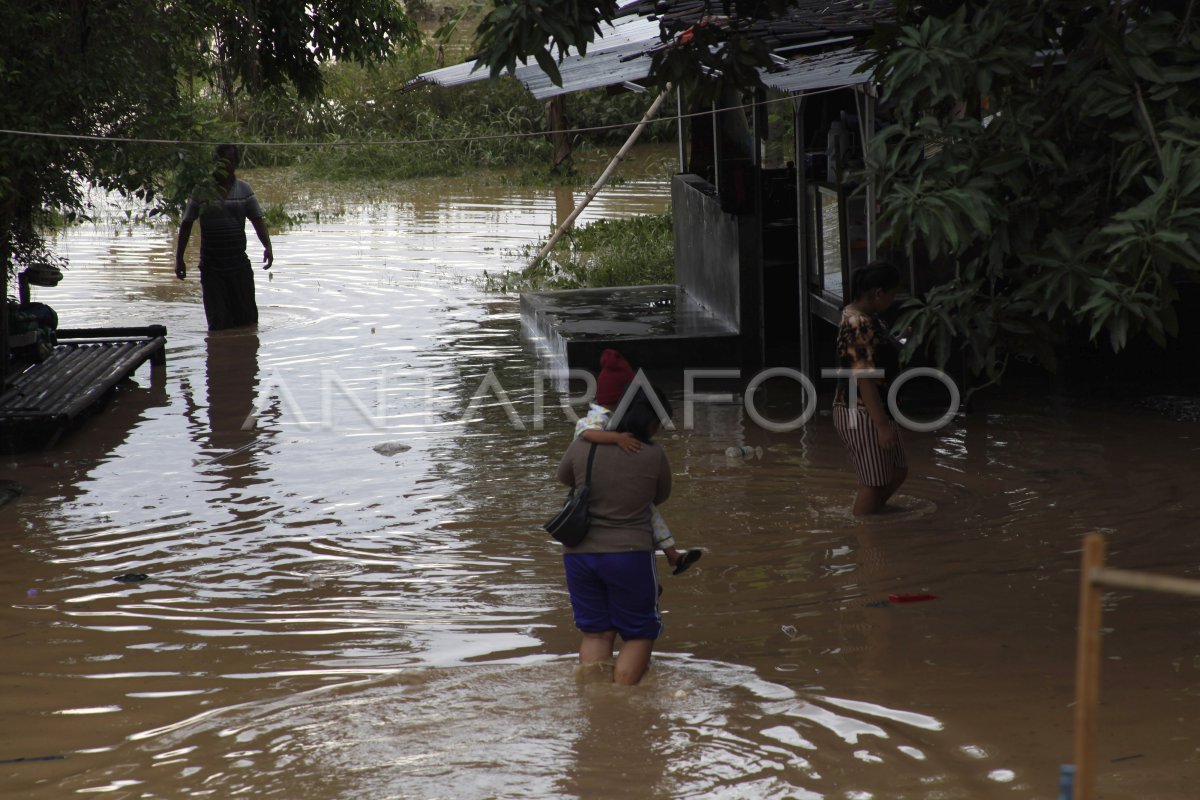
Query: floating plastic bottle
745	451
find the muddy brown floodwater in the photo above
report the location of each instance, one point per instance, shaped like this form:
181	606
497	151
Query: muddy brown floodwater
325	616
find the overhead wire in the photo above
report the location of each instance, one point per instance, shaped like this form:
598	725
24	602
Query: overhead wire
396	142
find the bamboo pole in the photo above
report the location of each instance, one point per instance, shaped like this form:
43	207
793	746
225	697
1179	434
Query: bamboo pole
604	176
1087	668
1125	579
1093	575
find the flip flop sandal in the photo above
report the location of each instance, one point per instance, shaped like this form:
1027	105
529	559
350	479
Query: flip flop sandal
686	560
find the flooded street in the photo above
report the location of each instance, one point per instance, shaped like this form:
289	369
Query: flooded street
347	594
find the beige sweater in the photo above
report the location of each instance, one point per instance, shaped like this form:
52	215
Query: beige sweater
623	488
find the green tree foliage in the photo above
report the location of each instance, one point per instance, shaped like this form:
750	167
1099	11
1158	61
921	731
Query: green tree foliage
708	59
65	70
516	30
1046	155
704	59
123	70
270	42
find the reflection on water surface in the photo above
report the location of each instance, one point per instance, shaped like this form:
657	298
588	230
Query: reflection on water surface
347	595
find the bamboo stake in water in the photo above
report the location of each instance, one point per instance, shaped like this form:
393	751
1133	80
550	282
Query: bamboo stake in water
1145	581
604	176
1087	668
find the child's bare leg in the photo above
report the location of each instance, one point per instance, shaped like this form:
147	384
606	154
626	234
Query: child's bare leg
632	661
596	648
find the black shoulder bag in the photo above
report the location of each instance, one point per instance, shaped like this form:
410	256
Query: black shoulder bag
570	525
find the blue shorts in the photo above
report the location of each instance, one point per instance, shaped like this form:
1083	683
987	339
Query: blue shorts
614	591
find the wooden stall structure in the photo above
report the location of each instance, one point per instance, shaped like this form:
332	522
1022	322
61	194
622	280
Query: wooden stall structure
40	403
770	208
1094	576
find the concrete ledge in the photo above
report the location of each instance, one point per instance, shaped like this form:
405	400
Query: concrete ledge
653	326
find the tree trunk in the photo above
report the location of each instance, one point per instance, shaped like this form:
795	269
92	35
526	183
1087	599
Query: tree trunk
556	123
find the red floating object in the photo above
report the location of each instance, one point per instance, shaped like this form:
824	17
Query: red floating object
911	598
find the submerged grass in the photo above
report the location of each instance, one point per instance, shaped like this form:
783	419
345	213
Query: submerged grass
278	218
628	252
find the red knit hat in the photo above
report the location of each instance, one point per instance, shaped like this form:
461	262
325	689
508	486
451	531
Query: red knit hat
615	377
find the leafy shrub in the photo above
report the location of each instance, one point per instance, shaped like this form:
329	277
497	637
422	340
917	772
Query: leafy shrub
628	252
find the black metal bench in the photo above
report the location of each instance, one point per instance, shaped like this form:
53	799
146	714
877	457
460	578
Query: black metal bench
83	367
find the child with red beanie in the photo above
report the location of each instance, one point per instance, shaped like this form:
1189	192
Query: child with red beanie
614	378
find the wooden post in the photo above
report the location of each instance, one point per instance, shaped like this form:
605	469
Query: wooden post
560	140
679	128
1087	668
1093	576
716	157
803	214
604	176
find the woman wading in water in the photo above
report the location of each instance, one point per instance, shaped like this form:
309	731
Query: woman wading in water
611	574
867	428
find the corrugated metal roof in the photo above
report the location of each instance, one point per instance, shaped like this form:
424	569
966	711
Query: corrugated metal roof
592	71
624	30
820	71
600	67
809	23
456	75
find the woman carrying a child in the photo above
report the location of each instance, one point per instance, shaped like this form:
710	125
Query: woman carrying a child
610	574
615	376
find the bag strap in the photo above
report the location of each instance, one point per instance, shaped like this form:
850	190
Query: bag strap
591	457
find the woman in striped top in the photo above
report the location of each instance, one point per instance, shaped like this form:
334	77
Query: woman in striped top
867	428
